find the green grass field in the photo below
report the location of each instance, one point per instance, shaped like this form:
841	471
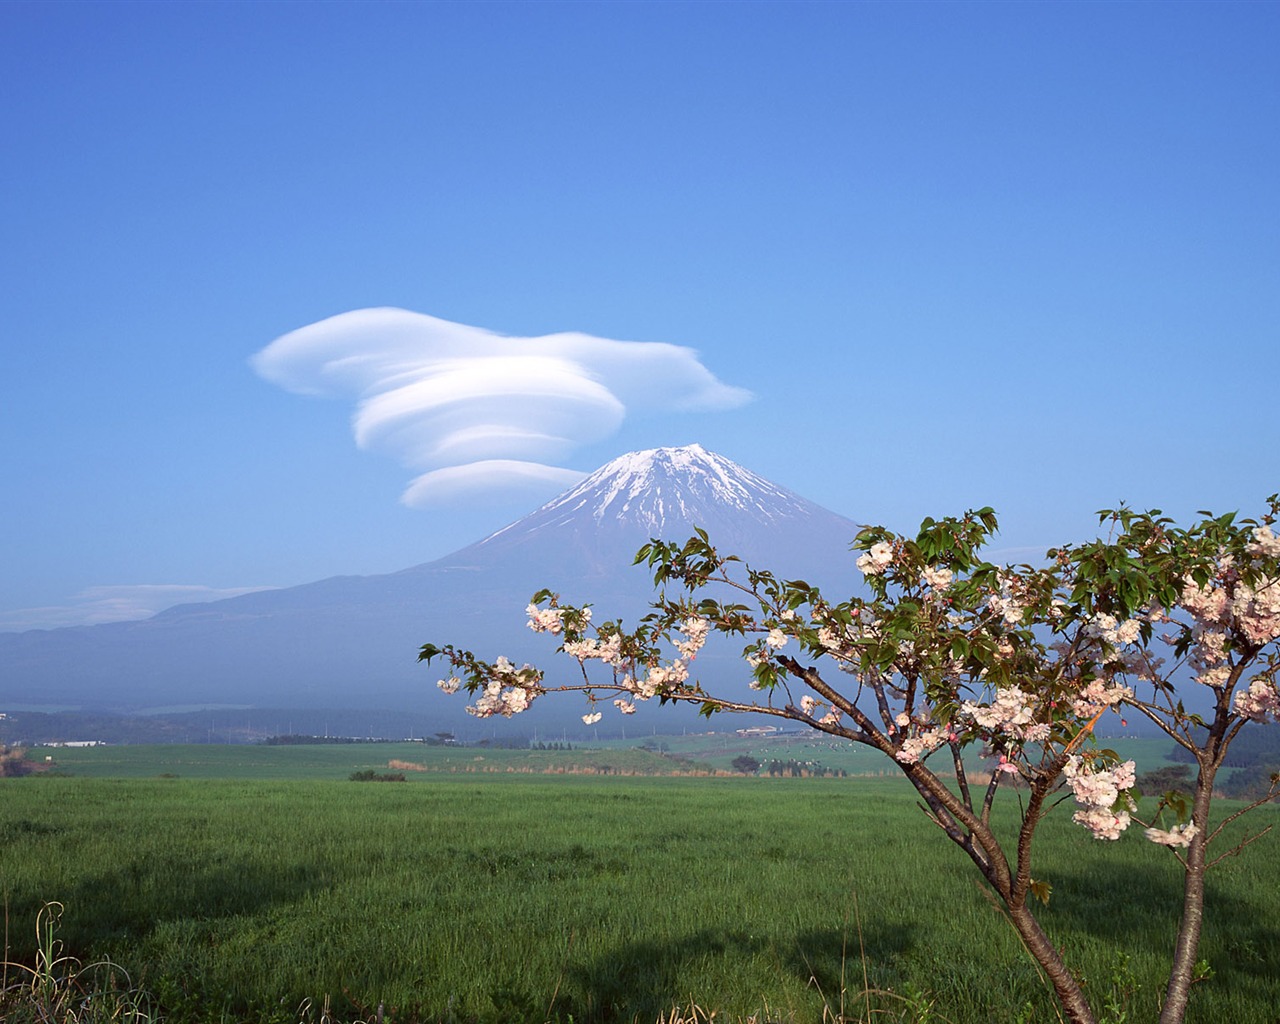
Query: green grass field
679	754
259	878
335	761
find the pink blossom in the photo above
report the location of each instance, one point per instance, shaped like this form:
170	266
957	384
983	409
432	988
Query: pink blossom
582	649
1012	712
1259	701
516	699
1257	610
695	629
660	678
545	620
1103	824
936	578
1098	791
915	748
1098	694
1265	543
1208	606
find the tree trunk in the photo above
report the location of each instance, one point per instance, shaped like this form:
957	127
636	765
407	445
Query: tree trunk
988	856
1065	987
1187	945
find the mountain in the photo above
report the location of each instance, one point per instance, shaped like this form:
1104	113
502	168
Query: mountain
351	641
595	528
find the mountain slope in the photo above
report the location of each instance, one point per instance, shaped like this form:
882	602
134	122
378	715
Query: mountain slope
352	641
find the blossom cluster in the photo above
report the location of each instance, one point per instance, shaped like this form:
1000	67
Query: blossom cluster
1099	694
546	620
508	691
877	559
840	639
914	748
1108	629
1251	611
1037	651
1265	543
657	679
1099	791
608	650
937	578
1012	713
1257	610
695	629
1259	702
1010	601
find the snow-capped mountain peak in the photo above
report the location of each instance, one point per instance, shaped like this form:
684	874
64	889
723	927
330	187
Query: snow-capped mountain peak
662	489
664	493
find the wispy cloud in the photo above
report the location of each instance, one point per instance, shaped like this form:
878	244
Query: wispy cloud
479	412
97	605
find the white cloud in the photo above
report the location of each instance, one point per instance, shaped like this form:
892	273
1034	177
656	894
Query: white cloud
482	412
481	479
96	605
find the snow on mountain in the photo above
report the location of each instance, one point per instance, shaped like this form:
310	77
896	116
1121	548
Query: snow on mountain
670	486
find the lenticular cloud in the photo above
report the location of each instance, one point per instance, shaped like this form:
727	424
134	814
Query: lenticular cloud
477	412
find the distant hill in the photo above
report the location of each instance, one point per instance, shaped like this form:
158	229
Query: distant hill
351	641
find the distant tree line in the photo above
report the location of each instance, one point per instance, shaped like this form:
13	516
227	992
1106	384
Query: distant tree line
1250	748
797	769
1255	753
296	740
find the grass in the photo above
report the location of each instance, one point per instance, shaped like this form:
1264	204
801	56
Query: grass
59	988
513	897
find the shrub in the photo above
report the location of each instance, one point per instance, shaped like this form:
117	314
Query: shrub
369	775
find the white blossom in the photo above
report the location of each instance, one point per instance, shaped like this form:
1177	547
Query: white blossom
877	559
1179	835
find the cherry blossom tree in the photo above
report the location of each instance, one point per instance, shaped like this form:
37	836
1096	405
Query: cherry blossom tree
948	653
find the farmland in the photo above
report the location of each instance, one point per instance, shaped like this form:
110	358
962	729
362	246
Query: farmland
236	883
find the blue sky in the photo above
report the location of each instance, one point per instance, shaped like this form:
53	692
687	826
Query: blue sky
1025	255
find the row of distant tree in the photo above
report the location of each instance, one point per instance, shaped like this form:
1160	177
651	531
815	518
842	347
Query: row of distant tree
748	765
1255	754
